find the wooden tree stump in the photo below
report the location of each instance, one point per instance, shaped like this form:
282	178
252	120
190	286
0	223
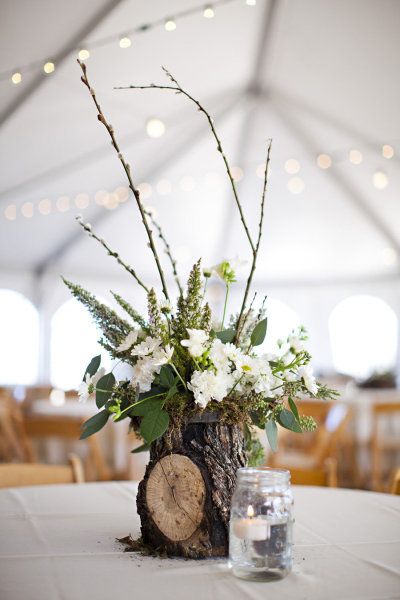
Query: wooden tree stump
185	496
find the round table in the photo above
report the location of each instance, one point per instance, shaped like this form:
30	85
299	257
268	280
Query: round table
58	542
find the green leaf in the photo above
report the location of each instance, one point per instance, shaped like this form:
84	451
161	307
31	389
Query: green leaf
259	332
167	377
148	406
271	430
93	366
287	419
94	424
294	410
226	335
105	383
141	448
153	425
172	390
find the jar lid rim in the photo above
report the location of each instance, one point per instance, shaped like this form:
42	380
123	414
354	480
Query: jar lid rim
263	475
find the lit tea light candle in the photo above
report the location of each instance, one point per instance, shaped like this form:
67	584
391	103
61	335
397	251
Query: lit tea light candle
255	529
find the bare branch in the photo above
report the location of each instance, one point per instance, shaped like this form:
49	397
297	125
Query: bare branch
127	170
167	248
260	227
179	90
88	228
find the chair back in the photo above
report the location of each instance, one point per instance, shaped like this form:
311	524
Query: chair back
325	476
382	444
26	474
395	485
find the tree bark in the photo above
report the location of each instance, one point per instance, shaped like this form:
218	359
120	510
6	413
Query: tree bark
185	496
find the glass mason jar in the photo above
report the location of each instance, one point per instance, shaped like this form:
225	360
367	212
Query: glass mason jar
260	537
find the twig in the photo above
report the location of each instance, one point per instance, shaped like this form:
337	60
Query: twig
87	227
127	170
240	327
260	226
179	90
167	248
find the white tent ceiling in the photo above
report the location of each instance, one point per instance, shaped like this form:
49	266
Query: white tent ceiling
315	76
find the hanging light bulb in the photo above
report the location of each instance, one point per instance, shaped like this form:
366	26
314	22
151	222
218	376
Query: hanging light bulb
125	42
251	2
83	54
16	77
355	157
208	12
292	166
380	180
387	151
10	212
155	128
296	185
324	161
170	25
49	67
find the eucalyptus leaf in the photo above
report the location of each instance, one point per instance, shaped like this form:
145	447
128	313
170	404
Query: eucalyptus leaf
141	448
271	430
293	408
93	366
287	419
153	425
94	424
105	385
259	332
226	335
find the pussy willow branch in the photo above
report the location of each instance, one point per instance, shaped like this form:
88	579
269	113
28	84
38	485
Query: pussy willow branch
179	90
88	229
241	324
167	249
260	227
127	170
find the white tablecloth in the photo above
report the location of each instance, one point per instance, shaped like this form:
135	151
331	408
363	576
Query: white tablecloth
58	543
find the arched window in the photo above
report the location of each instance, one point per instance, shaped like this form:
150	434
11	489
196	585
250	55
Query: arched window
281	321
74	341
19	339
363	332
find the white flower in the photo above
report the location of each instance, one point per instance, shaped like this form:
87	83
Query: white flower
162	356
306	373
87	387
225	270
128	342
221	354
207	385
196	342
295	344
143	374
146	347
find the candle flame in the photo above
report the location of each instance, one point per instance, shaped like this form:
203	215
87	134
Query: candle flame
250	511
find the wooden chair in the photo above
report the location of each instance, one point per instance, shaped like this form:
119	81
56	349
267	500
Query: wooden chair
68	428
24	474
14	443
380	445
326	477
395	485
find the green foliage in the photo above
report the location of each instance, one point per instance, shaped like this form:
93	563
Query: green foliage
259	333
135	316
205	322
112	326
94	424
154	425
271	430
287	419
307	423
226	336
143	448
157	326
92	367
104	389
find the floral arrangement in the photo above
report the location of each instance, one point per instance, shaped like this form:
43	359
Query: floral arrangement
184	360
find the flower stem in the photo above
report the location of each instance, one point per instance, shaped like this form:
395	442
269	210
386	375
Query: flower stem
225	305
179	376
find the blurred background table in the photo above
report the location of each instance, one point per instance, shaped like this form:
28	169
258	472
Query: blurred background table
60	542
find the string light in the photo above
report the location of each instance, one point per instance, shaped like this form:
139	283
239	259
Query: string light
112	202
10	212
324	161
251	2
164	187
83	54
355	157
27	210
122	192
155	128
380	180
260	171
237	173
387	151
125	42
208	12
292	166
44	207
170	25
49	67
82	200
63	203
145	190
16	78
100	197
296	185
